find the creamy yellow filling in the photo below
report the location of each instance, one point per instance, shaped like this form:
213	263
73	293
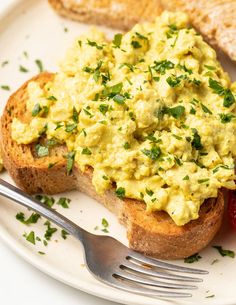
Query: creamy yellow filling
152	111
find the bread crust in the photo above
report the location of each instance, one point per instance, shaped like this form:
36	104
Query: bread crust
119	14
154	234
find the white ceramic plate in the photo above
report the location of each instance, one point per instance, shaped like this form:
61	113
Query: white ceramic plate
31	26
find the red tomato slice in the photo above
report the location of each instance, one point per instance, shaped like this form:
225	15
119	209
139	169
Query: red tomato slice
232	209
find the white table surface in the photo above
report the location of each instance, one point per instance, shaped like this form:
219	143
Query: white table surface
21	283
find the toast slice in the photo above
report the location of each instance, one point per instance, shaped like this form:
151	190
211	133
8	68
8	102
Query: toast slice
120	14
214	19
154	234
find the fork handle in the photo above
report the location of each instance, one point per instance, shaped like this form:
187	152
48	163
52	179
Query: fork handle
9	191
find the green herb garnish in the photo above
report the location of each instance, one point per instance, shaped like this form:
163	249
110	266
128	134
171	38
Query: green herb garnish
64	234
224	252
30	237
126	145
162	66
193	258
70	158
94	44
50	231
117	40
176	112
64	202
136	44
39	65
196	141
23	69
5	87
41	151
34	217
70	127
120	192
205	109
153	153
103	108
217	88
226	117
36	110
105	225
49	201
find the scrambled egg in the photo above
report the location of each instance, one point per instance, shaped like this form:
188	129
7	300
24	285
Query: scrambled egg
151	112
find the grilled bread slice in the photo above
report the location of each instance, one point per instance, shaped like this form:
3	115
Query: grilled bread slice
120	14
213	18
154	234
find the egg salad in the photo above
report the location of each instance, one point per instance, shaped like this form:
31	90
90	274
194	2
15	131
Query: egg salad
152	112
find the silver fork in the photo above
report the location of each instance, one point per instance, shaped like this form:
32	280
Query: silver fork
110	261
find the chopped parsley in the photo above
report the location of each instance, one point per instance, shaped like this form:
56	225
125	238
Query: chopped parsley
50	165
217	88
41	253
86	151
23	69
210	67
70	158
192	110
174	81
186	177
75	115
64	234
94	44
140	36
41	151
50	231
149	192
184	68
196	141
120	192
70	127
64	202
126	145
119	99
105	225
52	98
103	108
130	66
110	92
162	66
203	180
153	153
224	252
173	30
36	110
205	109
193	258
49	201
30	237
136	44
117	40
215	170
5	87
39	65
4	63
33	218
226	117
176	112
210	296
